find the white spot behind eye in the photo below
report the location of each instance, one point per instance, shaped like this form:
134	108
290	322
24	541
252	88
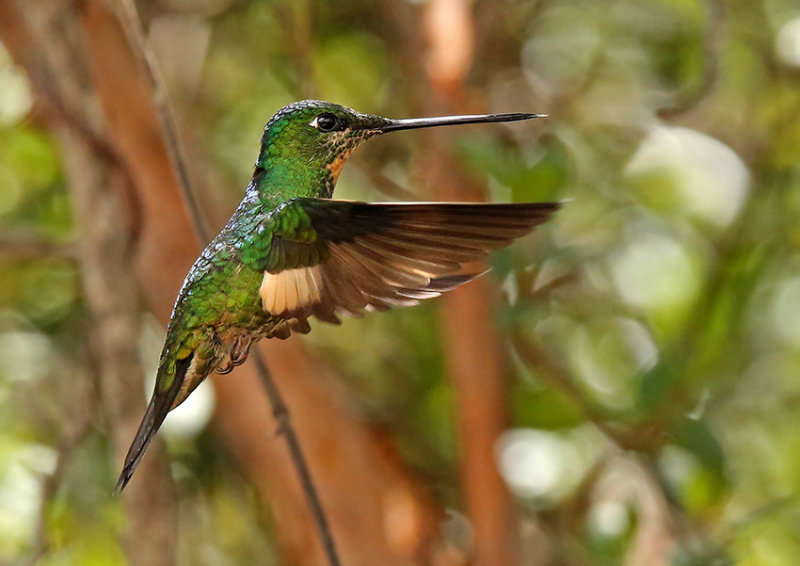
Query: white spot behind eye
313	123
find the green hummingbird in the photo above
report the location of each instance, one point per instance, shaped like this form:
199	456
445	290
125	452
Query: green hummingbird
290	252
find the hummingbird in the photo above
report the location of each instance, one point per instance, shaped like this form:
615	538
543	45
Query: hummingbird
290	251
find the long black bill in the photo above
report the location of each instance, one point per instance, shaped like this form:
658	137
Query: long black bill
413	123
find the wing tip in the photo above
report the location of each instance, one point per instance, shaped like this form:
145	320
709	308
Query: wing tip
450	282
544	207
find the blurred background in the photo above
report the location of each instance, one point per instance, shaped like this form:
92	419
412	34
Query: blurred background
620	390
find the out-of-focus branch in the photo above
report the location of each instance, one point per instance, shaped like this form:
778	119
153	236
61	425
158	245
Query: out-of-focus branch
647	437
655	540
663	521
41	38
297	20
378	512
450	32
282	414
21	248
111	298
553	375
475	358
132	23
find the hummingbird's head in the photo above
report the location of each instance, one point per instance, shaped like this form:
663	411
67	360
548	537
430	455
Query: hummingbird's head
316	136
309	141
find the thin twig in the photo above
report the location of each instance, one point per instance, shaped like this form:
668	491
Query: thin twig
281	413
21	248
133	26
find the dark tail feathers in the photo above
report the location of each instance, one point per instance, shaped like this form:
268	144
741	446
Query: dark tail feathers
157	410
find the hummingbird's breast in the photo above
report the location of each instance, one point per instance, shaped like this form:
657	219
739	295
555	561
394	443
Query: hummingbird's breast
219	313
219	304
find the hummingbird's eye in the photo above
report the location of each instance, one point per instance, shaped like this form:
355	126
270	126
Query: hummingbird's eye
325	122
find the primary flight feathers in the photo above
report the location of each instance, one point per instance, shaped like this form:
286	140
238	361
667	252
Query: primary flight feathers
339	257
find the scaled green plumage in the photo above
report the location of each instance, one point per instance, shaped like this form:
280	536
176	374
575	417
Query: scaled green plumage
289	252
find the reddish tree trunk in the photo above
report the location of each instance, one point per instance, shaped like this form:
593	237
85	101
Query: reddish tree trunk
476	361
379	514
43	41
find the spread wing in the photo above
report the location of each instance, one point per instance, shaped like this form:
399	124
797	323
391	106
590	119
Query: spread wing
329	257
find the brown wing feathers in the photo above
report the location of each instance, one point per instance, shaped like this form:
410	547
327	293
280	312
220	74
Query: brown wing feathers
386	255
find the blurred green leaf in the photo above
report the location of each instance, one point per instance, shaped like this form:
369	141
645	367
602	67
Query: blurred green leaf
545	178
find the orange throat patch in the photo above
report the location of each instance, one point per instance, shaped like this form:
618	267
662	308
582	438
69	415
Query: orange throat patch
335	168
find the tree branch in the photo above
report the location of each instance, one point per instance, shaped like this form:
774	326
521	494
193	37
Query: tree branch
133	27
132	24
44	38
